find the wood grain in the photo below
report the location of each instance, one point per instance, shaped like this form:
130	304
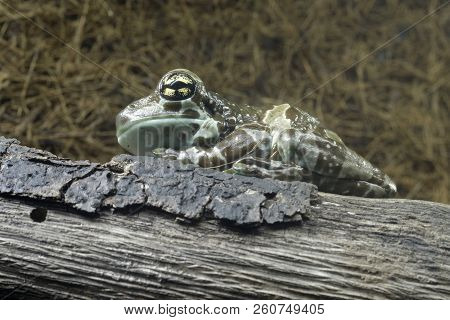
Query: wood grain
62	236
349	248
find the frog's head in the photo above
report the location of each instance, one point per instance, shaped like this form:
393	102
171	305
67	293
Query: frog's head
174	116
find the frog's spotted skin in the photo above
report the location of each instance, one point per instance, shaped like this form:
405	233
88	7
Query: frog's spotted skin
184	121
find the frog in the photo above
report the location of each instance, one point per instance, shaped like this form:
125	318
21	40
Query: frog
182	120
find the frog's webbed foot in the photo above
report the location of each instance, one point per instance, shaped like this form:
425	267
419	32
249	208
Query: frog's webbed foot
261	168
353	187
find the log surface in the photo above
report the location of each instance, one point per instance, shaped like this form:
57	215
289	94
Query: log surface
127	182
54	244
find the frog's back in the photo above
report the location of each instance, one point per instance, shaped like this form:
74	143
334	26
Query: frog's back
300	139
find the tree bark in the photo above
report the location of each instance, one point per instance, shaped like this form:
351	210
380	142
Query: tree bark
139	228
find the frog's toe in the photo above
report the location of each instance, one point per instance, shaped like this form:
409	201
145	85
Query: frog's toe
390	187
165	153
158	151
244	169
230	171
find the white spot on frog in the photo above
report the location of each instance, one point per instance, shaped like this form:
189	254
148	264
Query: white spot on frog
208	130
277	121
218	154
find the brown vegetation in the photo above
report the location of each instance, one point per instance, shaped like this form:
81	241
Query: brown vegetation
393	107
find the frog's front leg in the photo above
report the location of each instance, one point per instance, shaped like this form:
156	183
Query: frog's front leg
244	142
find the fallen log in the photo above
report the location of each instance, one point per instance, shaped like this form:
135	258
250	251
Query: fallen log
142	228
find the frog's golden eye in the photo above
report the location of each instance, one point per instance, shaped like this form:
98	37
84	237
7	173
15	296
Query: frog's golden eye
177	86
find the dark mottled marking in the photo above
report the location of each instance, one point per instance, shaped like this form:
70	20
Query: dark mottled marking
172	106
190	113
237	145
348	187
204	161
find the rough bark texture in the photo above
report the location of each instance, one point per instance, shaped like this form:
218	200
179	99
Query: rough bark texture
64	234
128	182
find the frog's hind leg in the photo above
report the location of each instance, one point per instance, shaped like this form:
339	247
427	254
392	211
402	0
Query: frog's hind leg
338	168
348	187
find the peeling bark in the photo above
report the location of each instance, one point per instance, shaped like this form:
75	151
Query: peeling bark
346	247
128	182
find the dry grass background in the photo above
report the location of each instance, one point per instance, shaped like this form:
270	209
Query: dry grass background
393	107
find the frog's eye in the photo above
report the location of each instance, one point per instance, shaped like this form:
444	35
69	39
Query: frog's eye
177	86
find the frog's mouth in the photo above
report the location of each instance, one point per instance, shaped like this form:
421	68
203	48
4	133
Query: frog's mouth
142	136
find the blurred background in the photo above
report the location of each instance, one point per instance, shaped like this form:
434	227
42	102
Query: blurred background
392	107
